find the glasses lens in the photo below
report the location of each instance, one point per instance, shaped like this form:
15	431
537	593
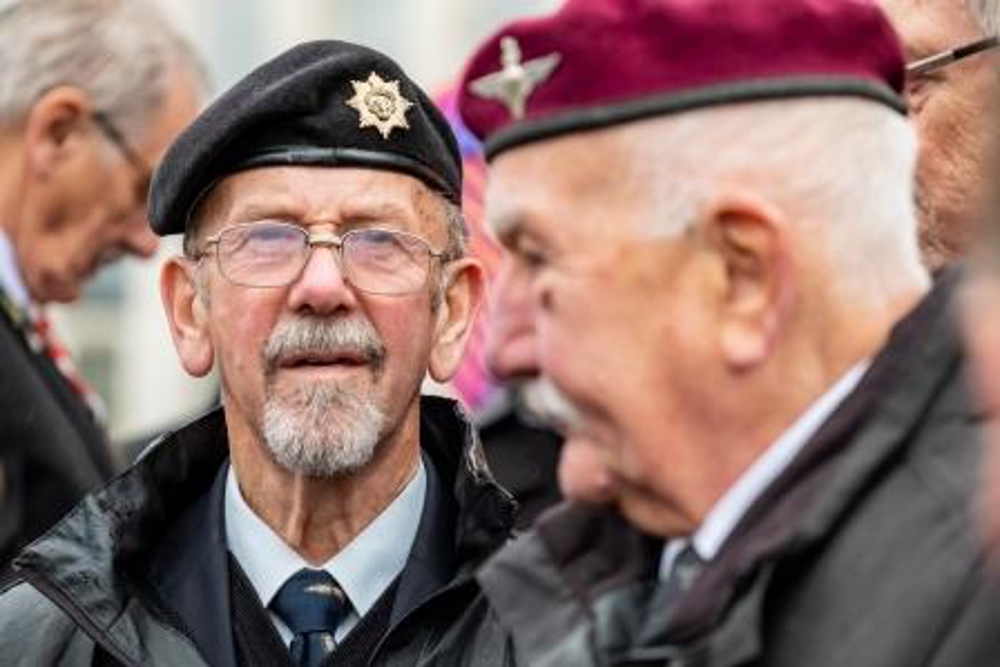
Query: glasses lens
262	254
385	262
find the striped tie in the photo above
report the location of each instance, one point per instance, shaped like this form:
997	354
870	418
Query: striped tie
42	340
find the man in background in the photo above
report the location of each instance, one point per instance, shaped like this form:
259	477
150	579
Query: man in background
739	322
954	101
91	94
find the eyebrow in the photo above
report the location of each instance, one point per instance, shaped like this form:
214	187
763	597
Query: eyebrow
261	211
360	212
506	225
349	213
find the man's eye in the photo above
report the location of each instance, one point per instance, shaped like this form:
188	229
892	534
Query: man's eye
529	254
533	259
919	85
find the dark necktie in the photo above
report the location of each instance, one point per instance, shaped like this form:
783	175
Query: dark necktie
686	567
312	605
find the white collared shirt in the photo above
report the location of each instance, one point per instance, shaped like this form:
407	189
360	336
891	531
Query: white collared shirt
730	508
364	569
10	275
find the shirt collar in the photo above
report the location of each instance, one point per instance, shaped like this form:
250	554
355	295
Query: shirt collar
364	568
11	280
730	508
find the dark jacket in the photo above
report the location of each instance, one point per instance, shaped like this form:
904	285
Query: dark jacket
864	552
523	455
52	452
137	574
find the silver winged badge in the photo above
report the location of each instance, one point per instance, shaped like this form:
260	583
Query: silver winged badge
514	84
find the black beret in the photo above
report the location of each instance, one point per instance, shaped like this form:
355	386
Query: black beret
326	103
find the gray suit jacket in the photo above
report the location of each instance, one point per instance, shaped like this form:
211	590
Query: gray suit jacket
51	451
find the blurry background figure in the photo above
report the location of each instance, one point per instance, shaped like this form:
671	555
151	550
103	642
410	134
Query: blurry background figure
981	311
91	94
953	101
739	320
523	454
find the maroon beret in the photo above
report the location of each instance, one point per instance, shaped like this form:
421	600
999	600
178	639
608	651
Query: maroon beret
597	63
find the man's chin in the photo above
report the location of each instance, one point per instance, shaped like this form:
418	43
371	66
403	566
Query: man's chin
583	475
58	292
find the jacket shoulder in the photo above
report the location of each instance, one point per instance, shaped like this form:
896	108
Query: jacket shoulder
34	631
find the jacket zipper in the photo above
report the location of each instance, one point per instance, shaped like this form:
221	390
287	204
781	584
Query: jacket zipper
82	620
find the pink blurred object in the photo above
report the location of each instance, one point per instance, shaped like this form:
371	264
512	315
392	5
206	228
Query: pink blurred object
473	381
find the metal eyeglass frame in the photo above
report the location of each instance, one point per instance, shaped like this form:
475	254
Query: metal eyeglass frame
117	138
313	240
945	58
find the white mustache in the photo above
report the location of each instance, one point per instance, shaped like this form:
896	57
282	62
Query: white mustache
547	402
303	336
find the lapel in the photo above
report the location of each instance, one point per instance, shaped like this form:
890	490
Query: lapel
431	564
55	386
466	515
723	614
190	573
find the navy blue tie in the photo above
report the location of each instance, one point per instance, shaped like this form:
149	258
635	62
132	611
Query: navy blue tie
312	605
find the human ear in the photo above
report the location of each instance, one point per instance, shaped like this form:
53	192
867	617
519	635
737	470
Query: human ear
462	296
52	127
187	315
747	235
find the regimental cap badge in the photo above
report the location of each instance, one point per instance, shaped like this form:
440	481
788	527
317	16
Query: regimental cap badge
380	104
514	84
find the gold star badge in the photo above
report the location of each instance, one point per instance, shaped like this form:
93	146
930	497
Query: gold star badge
514	84
380	104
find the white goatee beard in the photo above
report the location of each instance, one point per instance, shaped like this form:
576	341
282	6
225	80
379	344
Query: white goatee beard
321	428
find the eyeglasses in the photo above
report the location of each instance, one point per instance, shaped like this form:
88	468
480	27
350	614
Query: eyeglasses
274	253
117	139
945	58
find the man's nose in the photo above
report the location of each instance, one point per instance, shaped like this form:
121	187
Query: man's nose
510	337
140	239
322	287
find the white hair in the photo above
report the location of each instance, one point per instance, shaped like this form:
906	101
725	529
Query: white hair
122	53
986	13
840	168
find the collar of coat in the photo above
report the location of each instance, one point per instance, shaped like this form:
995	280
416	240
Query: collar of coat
574	555
85	559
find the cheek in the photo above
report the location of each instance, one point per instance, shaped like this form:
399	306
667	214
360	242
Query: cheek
240	322
406	331
947	131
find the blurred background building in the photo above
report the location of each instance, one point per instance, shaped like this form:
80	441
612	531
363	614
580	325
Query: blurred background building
118	333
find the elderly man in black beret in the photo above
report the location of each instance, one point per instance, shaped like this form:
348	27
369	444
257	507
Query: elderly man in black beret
327	513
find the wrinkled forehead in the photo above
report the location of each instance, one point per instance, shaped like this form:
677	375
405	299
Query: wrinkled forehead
926	27
581	182
320	194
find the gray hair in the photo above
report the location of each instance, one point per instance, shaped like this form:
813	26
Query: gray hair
122	53
840	168
986	14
